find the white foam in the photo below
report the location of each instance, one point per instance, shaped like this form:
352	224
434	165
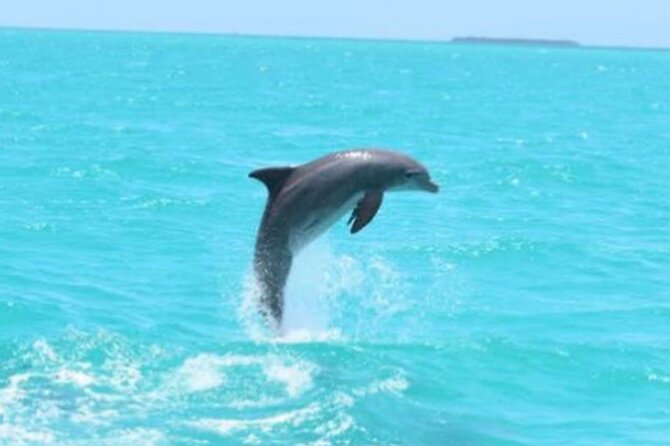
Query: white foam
338	425
12	392
659	378
396	384
296	377
200	373
124	373
342	399
251	439
79	379
137	436
257	401
44	350
225	426
305	336
19	436
87	414
208	371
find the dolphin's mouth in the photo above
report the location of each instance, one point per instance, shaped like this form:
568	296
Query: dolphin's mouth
429	186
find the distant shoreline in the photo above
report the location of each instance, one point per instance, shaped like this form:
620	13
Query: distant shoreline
447	41
515	41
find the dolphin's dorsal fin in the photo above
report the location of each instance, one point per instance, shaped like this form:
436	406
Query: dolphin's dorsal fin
366	209
273	178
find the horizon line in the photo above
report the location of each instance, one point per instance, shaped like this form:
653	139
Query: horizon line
453	40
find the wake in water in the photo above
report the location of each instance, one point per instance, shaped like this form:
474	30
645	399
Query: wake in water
111	390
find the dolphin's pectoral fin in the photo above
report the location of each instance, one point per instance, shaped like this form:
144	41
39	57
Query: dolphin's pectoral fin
365	210
273	177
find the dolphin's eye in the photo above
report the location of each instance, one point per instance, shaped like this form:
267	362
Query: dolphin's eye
411	173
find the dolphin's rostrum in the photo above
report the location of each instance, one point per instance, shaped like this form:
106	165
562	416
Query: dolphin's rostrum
304	201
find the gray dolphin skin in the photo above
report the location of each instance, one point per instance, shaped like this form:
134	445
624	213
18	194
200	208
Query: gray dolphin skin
306	200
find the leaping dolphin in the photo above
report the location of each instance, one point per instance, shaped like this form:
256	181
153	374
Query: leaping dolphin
306	200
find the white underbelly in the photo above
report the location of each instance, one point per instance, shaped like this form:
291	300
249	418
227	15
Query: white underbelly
318	223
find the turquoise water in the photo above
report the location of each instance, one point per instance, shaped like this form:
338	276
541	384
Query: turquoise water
526	304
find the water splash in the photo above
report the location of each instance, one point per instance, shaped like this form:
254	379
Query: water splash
308	299
325	292
311	293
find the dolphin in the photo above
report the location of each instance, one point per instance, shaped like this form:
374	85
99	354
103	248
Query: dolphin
304	201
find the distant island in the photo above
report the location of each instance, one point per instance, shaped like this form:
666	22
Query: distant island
515	41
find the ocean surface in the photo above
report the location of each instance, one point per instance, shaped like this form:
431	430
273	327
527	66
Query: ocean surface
528	303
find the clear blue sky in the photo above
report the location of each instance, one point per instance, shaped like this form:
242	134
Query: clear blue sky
597	22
